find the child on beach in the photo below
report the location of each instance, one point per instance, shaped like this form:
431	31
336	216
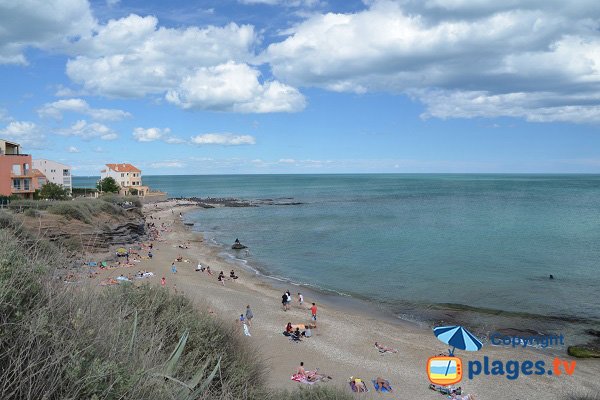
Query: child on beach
300	300
163	282
173	268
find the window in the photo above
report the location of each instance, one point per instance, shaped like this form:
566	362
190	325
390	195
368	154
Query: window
16	184
122	175
66	172
27	184
16	169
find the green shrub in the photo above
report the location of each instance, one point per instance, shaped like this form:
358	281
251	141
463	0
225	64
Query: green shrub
32	212
72	210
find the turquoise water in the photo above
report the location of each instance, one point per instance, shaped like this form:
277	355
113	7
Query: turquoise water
412	241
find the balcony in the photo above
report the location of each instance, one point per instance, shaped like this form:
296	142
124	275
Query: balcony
22	190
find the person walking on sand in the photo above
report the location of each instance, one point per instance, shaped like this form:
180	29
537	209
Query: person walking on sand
288	301
173	268
163	282
284	301
300	300
249	315
313	311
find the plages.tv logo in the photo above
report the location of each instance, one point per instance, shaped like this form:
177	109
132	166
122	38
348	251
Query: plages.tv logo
447	370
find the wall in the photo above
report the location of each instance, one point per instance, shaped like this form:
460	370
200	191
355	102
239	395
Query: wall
54	172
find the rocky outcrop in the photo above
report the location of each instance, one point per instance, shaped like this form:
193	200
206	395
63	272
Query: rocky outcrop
97	237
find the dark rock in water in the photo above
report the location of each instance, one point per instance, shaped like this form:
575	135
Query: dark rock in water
593	332
238	246
188	223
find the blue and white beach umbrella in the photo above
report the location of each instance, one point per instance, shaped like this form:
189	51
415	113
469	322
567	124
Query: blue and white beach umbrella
457	337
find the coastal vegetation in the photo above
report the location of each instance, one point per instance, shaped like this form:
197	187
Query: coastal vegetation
70	340
108	185
52	191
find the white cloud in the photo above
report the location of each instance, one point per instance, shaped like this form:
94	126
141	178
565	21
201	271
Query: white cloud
286	3
149	134
226	139
153	134
88	131
196	68
56	109
112	3
174	140
43	24
546	52
234	87
25	133
168	164
72	149
287	161
132	56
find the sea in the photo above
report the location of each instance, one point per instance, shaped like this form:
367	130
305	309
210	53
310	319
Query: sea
475	249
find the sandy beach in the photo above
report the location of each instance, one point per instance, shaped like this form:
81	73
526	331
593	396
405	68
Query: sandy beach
343	343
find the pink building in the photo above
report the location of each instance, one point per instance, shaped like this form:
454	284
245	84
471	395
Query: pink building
16	175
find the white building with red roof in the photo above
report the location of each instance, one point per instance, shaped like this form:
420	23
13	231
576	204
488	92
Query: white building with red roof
127	176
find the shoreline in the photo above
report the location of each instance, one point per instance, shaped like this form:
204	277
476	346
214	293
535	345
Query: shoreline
421	315
342	345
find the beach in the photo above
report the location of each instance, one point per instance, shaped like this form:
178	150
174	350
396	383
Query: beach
343	342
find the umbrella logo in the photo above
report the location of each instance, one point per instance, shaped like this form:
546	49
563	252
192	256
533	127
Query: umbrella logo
447	370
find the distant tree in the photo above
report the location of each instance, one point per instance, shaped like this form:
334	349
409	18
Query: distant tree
133	192
52	191
108	185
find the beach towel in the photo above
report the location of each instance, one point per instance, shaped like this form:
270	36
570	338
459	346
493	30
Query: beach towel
377	389
353	387
93	264
301	379
246	330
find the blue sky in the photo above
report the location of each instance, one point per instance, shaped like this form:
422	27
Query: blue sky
294	86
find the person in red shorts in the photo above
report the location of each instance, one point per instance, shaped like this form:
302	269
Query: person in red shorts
313	311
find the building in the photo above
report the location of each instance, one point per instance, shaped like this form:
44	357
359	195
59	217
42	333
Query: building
55	172
16	175
128	177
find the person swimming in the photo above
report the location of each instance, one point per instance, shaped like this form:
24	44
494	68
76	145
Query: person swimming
551	276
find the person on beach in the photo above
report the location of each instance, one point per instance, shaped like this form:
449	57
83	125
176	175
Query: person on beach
297	335
383	384
221	278
300	300
173	268
313	312
208	271
232	275
284	301
241	320
385	349
163	282
358	385
288	329
249	315
288	299
150	255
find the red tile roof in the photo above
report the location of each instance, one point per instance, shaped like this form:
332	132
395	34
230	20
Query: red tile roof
123	168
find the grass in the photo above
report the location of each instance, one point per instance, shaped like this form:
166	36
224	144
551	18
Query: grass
74	341
85	209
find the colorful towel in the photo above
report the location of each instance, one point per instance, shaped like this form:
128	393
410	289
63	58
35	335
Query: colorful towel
353	387
377	389
301	379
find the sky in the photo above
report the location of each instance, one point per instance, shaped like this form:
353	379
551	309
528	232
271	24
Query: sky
304	86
